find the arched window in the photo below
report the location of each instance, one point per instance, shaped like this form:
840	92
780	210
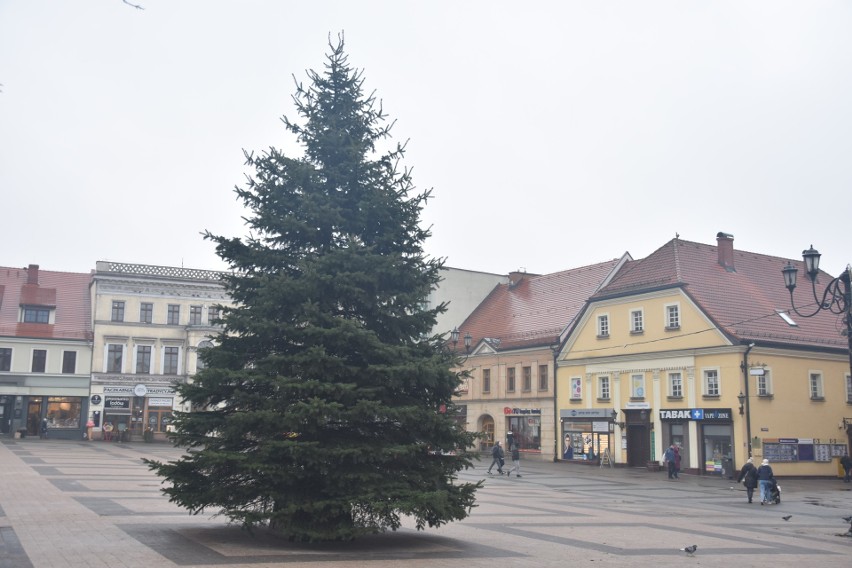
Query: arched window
199	363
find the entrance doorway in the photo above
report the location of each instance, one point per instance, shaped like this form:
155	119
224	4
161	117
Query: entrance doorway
33	415
487	429
638	445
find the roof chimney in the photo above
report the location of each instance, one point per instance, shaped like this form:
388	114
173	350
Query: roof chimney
725	244
32	274
516	276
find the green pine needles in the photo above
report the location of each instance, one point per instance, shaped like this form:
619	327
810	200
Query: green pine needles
324	411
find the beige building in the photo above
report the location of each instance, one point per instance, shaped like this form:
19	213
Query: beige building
696	346
149	322
509	343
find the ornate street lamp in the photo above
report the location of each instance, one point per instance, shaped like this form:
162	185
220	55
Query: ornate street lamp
454	338
836	298
742	398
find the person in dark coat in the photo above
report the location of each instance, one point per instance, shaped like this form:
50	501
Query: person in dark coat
516	461
764	478
846	462
497	458
669	458
748	475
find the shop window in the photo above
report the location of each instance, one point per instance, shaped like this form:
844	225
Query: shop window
526	430
64	411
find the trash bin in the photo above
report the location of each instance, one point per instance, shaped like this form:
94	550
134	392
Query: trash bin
728	468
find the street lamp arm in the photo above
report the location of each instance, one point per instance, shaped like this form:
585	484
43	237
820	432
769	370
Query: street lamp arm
835	297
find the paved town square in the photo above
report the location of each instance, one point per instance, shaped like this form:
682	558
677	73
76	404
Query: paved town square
95	504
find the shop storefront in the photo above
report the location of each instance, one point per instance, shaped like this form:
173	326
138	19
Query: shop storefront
62	416
709	430
586	433
130	411
525	425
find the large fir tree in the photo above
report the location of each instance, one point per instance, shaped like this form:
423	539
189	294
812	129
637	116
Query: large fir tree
327	405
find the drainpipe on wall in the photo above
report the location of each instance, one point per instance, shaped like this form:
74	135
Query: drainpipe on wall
747	405
556	420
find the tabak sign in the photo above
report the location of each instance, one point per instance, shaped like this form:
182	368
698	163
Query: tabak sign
696	414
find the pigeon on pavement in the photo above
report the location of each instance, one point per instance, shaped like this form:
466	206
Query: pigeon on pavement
690	550
786	517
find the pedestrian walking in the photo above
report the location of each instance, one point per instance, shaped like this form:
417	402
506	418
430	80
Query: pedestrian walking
43	430
496	458
764	480
748	476
516	461
846	462
669	459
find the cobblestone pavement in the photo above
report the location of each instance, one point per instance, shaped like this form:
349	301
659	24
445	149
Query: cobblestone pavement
94	504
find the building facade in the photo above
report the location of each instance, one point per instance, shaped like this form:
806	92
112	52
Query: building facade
45	353
510	369
149	323
696	346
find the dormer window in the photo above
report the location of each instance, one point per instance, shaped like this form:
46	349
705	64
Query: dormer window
36	314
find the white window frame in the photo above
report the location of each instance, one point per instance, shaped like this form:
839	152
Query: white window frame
764	389
848	388
163	359
603	325
637	385
706	383
637	320
675	393
604	391
135	361
671	315
123	357
816	385
576	388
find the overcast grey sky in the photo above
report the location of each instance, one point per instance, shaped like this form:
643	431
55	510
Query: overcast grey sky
554	134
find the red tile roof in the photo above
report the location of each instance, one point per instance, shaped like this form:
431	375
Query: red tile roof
533	312
68	292
744	302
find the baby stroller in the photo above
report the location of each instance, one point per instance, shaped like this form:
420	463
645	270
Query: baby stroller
774	491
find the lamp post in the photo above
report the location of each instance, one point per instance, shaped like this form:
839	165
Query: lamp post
741	397
836	298
454	338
